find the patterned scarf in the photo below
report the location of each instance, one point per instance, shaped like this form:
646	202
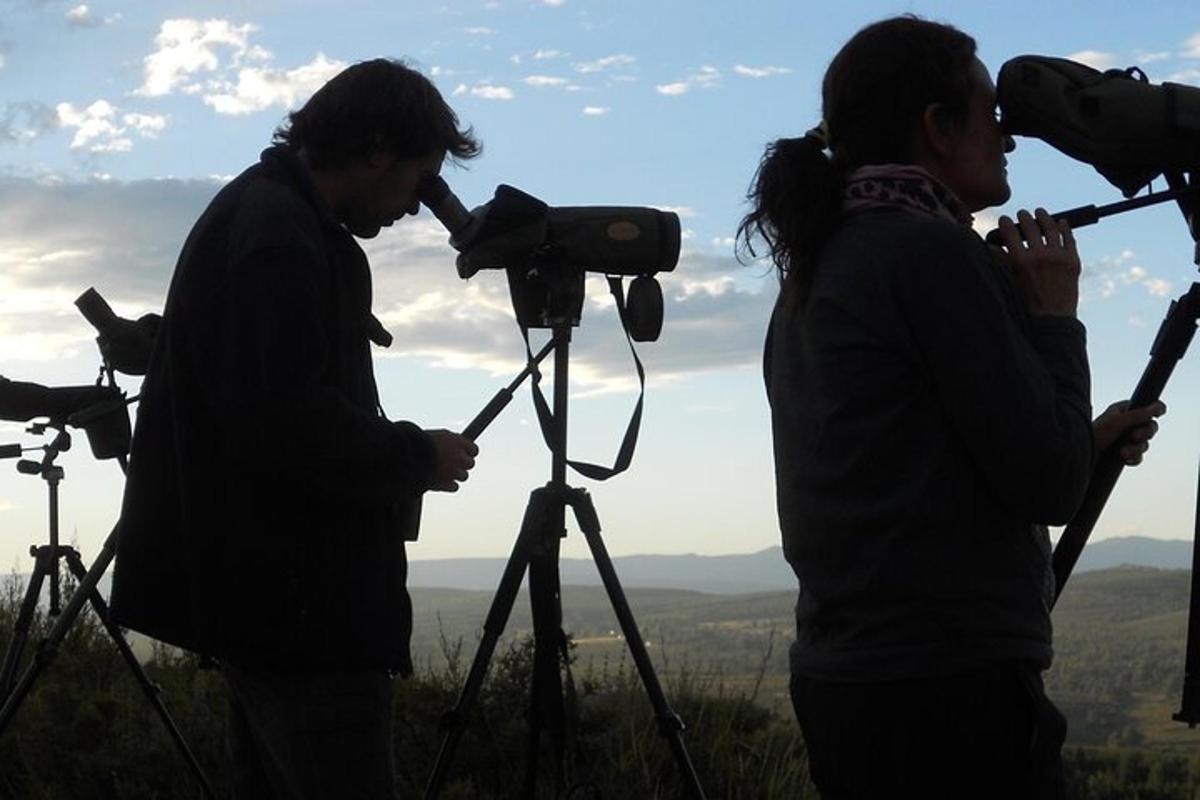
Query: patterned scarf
902	186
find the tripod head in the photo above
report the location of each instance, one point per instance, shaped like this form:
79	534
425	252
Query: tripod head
46	467
98	410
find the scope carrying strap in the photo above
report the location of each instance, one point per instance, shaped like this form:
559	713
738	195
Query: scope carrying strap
1129	129
546	417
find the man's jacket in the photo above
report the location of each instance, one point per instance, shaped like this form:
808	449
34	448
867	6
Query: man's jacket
260	517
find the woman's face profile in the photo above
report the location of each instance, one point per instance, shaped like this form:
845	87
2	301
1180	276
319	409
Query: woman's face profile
976	168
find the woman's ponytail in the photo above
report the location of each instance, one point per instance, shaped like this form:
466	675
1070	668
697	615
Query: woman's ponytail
796	199
873	95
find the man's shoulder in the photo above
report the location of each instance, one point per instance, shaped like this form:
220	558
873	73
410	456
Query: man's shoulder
266	200
257	210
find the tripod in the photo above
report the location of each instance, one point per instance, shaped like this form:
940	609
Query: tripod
1170	345
47	558
537	549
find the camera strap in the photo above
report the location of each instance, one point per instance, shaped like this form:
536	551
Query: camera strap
546	417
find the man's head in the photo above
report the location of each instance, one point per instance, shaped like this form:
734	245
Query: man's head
369	135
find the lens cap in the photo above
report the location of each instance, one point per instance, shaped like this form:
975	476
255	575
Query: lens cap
644	309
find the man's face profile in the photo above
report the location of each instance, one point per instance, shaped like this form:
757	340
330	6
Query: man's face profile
386	190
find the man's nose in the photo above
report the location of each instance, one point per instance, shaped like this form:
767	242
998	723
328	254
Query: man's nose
1009	144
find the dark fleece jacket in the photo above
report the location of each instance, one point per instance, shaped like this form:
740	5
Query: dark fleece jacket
260	518
924	426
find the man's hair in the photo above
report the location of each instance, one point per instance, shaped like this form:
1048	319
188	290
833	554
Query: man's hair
378	105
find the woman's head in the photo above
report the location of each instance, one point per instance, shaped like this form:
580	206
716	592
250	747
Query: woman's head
910	91
879	85
902	91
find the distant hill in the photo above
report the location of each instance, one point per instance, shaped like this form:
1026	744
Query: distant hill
1136	551
734	574
750	572
743	573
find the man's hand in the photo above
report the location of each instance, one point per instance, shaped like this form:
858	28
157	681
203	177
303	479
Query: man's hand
1137	427
455	457
1045	265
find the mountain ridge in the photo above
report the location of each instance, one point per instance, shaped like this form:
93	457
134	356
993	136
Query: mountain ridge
741	573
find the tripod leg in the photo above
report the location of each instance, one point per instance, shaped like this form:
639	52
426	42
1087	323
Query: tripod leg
455	720
545	694
152	691
49	646
669	723
12	656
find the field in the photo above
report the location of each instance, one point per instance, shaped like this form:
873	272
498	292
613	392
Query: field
87	732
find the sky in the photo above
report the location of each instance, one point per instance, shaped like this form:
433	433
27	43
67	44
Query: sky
120	120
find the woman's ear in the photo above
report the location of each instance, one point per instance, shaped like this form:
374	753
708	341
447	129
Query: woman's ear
938	131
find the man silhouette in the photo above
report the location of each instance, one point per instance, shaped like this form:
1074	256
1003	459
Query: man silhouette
262	515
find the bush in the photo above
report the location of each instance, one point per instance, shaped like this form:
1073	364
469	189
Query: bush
87	730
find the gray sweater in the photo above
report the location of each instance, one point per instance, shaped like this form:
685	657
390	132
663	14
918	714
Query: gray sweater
925	428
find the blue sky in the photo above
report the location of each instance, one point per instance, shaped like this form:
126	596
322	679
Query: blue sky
119	120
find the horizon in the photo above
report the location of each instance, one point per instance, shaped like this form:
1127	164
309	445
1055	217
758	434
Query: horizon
120	120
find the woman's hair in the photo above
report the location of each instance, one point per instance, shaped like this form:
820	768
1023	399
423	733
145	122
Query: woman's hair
378	105
874	94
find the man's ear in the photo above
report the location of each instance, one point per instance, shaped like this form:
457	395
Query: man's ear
380	159
937	130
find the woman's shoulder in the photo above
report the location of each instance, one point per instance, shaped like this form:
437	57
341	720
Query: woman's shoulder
898	232
916	251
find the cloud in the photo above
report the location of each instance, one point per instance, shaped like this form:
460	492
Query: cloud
1185	76
1095	59
100	129
57	239
1158	287
484	91
260	88
1149	58
672	89
480	31
707	77
1191	47
983	222
23	121
148	125
605	64
190	46
81	17
595	111
683	212
759	72
1108	275
542	55
544	80
554	3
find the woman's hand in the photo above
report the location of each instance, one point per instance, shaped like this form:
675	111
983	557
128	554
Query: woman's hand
1045	265
1134	428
